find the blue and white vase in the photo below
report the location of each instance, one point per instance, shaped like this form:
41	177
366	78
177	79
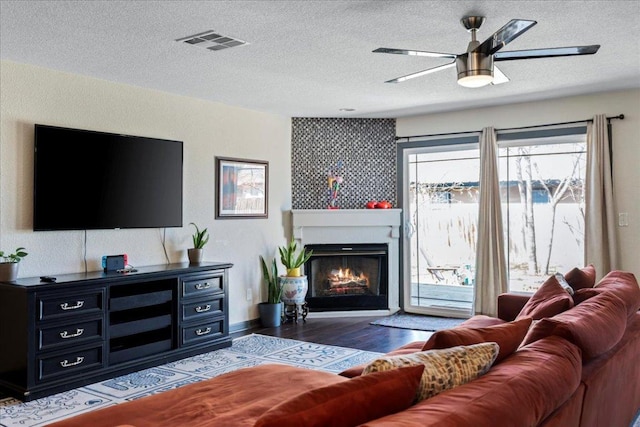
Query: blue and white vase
294	289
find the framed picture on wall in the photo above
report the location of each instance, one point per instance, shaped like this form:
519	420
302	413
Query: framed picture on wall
242	188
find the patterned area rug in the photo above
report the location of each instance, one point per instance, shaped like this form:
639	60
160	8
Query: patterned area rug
418	322
247	351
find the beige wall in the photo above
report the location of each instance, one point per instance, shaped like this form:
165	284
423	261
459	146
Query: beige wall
31	95
626	149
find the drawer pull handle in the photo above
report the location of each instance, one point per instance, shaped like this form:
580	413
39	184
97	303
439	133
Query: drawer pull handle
66	364
200	332
202	309
201	286
65	334
66	306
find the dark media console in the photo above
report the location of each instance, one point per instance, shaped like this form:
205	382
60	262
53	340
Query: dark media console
84	328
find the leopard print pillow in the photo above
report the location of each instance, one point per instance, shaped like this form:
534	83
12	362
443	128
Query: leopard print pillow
444	369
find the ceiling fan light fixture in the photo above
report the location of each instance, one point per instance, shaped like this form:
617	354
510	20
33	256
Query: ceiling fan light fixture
474	69
481	78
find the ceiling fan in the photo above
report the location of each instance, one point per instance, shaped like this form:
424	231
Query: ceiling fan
475	66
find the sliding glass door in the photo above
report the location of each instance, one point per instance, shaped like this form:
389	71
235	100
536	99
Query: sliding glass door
542	178
441	209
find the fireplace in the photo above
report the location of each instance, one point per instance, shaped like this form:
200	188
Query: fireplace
347	277
369	230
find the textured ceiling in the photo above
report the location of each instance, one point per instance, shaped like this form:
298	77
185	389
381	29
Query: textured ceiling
312	58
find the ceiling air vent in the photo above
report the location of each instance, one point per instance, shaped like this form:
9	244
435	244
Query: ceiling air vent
212	41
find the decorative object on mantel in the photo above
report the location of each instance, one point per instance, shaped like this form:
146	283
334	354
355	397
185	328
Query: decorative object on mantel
383	204
200	238
271	310
335	179
9	264
294	284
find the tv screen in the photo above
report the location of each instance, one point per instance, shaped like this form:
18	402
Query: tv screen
87	180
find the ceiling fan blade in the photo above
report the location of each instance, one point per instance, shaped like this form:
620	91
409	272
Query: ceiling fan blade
504	36
415	52
546	53
422	73
498	76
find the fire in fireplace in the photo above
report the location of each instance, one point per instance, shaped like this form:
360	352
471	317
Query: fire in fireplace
347	277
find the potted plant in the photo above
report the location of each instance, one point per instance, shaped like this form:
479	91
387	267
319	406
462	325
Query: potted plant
9	264
200	238
294	284
271	311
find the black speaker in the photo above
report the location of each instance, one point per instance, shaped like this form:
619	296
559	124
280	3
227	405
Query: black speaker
114	262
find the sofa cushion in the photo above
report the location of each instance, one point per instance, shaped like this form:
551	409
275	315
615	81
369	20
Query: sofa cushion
584	294
625	286
444	369
348	403
480	321
236	399
613	396
580	278
508	336
595	325
550	299
523	390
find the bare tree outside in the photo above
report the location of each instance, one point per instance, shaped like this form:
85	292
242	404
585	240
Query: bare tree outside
547	177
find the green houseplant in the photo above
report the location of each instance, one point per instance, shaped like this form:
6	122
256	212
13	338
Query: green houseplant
292	259
9	264
294	284
271	310
200	238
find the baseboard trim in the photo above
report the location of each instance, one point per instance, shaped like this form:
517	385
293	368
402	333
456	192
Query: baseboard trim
352	313
244	326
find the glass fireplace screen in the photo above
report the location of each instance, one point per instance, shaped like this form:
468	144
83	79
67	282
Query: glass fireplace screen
347	272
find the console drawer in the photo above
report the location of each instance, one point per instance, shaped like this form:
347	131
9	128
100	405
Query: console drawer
56	306
205	307
70	334
69	363
203	285
203	332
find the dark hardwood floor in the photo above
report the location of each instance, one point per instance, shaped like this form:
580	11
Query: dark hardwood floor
352	332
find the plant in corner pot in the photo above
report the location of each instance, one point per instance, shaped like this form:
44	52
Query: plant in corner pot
294	284
200	238
271	311
9	264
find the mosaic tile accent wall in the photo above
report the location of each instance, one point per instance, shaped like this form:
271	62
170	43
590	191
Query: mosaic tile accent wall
366	150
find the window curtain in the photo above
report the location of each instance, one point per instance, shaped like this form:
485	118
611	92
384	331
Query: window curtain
600	245
491	268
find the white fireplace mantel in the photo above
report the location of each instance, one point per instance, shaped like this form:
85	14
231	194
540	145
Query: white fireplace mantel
327	226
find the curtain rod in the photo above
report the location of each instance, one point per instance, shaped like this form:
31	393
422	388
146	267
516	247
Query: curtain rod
618	117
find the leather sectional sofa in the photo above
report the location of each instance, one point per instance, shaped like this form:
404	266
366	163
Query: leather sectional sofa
565	360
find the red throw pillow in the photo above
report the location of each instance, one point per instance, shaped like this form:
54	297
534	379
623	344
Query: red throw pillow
480	321
584	294
595	326
550	299
348	403
580	278
624	285
507	335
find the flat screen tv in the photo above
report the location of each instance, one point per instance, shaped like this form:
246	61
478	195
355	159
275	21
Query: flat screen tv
87	180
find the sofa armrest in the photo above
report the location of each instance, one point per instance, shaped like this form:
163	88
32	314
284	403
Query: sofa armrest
510	304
